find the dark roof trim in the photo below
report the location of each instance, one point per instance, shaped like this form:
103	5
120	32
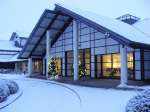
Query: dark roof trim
98	27
44	34
10	50
35	28
14	34
23	38
66	24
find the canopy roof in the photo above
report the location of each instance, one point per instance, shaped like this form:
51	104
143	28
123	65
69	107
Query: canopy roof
36	44
7	45
10	58
57	21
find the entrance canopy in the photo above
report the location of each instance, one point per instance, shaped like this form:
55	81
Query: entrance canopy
54	21
59	19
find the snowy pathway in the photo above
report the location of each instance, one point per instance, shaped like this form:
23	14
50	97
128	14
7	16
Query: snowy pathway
48	96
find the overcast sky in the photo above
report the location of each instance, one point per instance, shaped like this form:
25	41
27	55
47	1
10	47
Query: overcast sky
21	15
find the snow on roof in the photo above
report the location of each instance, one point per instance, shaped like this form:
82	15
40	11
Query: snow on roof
8	45
10	58
143	26
121	28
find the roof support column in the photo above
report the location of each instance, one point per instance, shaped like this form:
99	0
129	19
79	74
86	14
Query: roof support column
48	50
75	50
44	63
29	66
124	66
16	67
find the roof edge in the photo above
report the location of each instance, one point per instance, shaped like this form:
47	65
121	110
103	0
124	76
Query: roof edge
119	38
34	29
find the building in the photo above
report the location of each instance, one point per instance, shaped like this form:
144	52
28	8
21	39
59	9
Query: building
9	50
107	48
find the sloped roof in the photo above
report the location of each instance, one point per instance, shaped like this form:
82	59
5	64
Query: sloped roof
124	30
57	20
10	58
36	44
8	46
143	26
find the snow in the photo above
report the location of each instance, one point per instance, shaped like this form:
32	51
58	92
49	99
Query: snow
140	102
143	26
10	58
8	45
44	95
15	58
9	52
11	99
117	26
7	87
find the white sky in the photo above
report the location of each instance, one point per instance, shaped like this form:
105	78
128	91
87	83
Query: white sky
22	15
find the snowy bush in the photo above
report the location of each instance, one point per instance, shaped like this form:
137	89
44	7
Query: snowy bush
4	87
139	103
13	87
3	96
4	91
7	87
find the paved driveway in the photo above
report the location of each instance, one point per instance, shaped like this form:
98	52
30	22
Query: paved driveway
49	96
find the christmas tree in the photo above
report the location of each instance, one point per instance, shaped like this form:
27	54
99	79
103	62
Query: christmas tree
52	67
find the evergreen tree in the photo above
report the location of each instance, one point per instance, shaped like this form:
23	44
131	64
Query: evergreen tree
52	67
82	69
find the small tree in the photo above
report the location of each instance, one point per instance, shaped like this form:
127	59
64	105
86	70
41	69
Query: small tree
82	69
52	67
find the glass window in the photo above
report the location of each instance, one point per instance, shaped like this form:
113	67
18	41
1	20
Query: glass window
84	59
116	58
106	58
111	65
69	64
37	66
58	66
130	57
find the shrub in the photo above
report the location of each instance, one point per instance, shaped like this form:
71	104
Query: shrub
4	91
7	87
13	86
139	103
3	96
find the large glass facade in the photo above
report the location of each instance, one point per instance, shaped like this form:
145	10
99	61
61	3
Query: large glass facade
58	64
84	60
37	66
103	51
69	63
108	65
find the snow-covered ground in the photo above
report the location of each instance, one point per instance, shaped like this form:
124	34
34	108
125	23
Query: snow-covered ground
49	96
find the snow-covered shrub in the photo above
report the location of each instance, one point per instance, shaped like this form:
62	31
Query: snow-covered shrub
7	87
4	91
13	86
139	103
3	96
4	87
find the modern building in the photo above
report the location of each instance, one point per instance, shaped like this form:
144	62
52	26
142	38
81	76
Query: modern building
9	51
106	47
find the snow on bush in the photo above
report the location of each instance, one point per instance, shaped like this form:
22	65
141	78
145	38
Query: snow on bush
13	87
7	87
3	95
139	103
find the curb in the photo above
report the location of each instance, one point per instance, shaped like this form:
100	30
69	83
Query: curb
10	101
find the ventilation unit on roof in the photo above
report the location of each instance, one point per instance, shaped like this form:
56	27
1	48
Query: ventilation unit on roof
127	18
